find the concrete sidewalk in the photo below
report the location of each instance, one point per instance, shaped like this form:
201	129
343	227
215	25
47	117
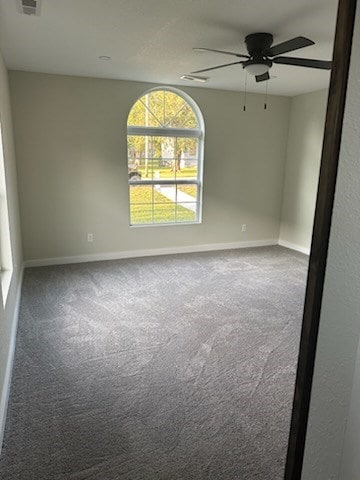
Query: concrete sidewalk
182	197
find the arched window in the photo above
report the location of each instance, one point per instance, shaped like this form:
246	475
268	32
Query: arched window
165	136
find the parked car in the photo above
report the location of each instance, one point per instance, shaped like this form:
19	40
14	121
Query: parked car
133	173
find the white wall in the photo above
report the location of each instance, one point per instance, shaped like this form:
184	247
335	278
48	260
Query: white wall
335	388
8	313
306	131
70	136
350	461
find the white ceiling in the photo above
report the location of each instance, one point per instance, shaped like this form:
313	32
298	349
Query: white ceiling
152	40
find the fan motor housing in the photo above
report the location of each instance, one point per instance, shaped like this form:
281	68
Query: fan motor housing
258	43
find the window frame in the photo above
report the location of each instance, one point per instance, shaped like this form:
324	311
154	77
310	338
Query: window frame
198	133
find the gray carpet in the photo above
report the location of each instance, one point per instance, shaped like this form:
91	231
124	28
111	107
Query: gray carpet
165	368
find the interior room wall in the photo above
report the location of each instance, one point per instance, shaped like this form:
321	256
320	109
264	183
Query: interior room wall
8	312
70	136
350	461
333	427
306	131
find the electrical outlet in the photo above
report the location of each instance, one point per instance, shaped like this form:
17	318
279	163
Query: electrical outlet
90	237
244	227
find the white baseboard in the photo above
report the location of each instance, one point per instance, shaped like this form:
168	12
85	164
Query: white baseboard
4	394
95	257
293	246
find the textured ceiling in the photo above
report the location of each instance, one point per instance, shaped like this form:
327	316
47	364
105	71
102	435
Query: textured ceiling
152	40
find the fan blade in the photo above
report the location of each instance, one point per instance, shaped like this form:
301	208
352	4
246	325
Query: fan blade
214	68
263	77
289	46
200	49
303	62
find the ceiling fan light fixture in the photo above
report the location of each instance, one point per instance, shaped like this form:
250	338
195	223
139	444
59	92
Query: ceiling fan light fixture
262	54
257	68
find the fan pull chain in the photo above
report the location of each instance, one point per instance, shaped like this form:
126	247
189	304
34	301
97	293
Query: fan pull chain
266	95
245	91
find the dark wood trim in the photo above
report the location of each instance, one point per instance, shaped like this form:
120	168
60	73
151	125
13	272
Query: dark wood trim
320	238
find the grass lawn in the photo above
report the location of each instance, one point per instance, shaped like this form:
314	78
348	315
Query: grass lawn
189	189
142	210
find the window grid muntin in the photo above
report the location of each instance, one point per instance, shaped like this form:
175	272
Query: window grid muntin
147	107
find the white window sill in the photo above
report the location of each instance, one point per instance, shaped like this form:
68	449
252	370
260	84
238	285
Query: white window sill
169	224
5	279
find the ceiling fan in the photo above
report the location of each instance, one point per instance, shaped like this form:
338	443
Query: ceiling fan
262	55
